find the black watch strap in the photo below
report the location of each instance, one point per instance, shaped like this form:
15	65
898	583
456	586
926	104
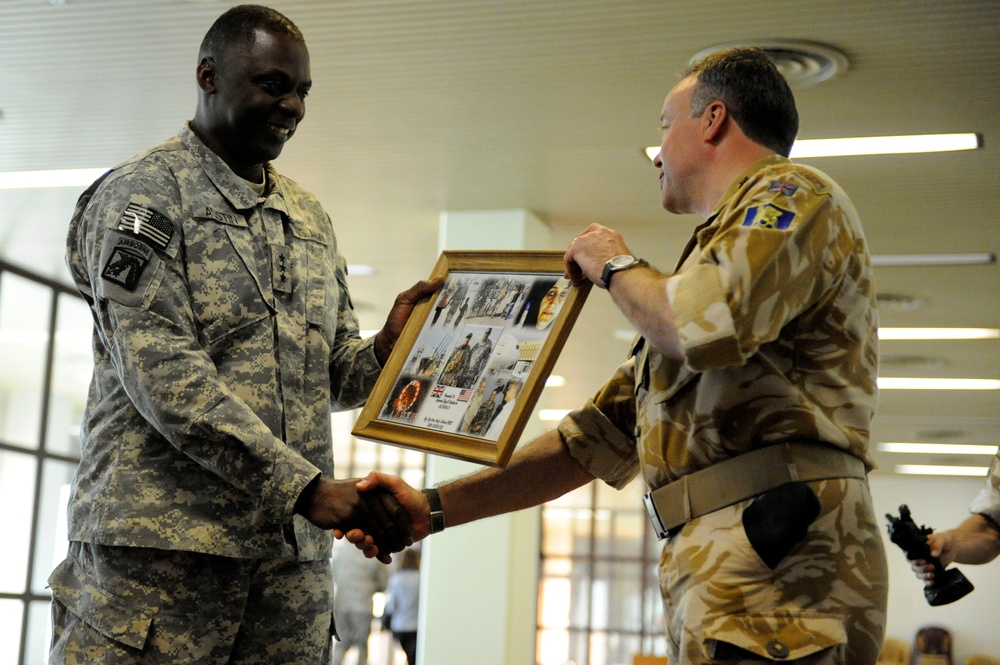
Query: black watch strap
437	514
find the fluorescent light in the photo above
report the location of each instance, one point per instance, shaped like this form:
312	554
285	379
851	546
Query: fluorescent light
875	145
555	381
938	448
885	145
552	415
52	178
935	470
938	333
909	260
361	270
624	334
893	383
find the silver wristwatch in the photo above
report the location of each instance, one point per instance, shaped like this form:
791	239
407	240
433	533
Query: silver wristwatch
617	264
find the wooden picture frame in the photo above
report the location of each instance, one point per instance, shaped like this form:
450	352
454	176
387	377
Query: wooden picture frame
497	323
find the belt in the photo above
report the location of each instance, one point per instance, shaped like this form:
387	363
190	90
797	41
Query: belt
743	477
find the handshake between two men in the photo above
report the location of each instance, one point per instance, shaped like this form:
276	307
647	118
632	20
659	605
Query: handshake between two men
374	520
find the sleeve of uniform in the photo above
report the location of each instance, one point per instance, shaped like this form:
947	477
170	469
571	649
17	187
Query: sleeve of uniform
599	434
988	501
771	257
353	365
153	340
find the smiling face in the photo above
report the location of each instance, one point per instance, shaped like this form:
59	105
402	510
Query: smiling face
253	100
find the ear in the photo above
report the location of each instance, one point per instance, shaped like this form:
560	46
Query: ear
714	119
206	75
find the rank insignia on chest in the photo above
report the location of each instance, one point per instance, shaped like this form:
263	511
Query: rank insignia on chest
768	216
281	269
146	222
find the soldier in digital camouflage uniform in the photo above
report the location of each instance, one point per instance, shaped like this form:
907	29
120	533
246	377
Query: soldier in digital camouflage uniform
201	512
746	400
976	540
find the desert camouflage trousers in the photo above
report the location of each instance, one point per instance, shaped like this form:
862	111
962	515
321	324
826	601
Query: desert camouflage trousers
133	605
823	604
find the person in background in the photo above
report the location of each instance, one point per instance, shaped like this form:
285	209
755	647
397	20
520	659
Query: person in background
976	540
403	603
204	508
356	580
746	400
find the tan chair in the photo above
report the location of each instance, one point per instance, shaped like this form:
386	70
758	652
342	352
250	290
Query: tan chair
643	659
932	646
894	652
982	659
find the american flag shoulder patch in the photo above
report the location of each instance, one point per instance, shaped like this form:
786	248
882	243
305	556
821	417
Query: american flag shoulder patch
146	222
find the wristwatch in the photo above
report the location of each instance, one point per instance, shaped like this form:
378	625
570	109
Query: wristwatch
617	264
437	514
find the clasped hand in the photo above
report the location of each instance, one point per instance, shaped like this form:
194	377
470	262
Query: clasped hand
377	515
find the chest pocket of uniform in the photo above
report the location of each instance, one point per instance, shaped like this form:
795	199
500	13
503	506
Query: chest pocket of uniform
227	276
657	376
319	279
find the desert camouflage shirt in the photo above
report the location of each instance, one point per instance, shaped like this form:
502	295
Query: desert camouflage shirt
223	332
988	501
775	310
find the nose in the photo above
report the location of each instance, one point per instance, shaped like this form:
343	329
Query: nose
294	105
657	162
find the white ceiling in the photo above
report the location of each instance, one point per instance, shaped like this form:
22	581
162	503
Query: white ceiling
424	106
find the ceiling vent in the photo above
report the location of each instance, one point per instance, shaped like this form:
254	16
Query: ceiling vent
801	63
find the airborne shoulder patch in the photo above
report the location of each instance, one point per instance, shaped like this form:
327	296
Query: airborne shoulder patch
768	216
125	261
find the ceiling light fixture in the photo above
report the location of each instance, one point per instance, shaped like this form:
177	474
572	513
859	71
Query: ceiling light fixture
875	145
51	178
898	383
938	448
937	470
920	260
886	145
361	270
938	333
552	415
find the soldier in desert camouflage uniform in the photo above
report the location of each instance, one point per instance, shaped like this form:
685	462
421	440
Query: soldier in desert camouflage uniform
745	401
201	512
976	540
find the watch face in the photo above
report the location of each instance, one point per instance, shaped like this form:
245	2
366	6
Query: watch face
622	260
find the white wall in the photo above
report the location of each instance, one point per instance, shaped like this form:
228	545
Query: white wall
938	503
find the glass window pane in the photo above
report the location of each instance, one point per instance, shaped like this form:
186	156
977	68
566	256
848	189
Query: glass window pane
24	316
565	531
618	647
71	371
617	595
50	527
598	649
17	484
552	647
39	633
630	533
652	603
11	615
581	497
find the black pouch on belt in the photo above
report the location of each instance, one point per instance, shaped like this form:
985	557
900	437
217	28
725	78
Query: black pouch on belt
778	519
